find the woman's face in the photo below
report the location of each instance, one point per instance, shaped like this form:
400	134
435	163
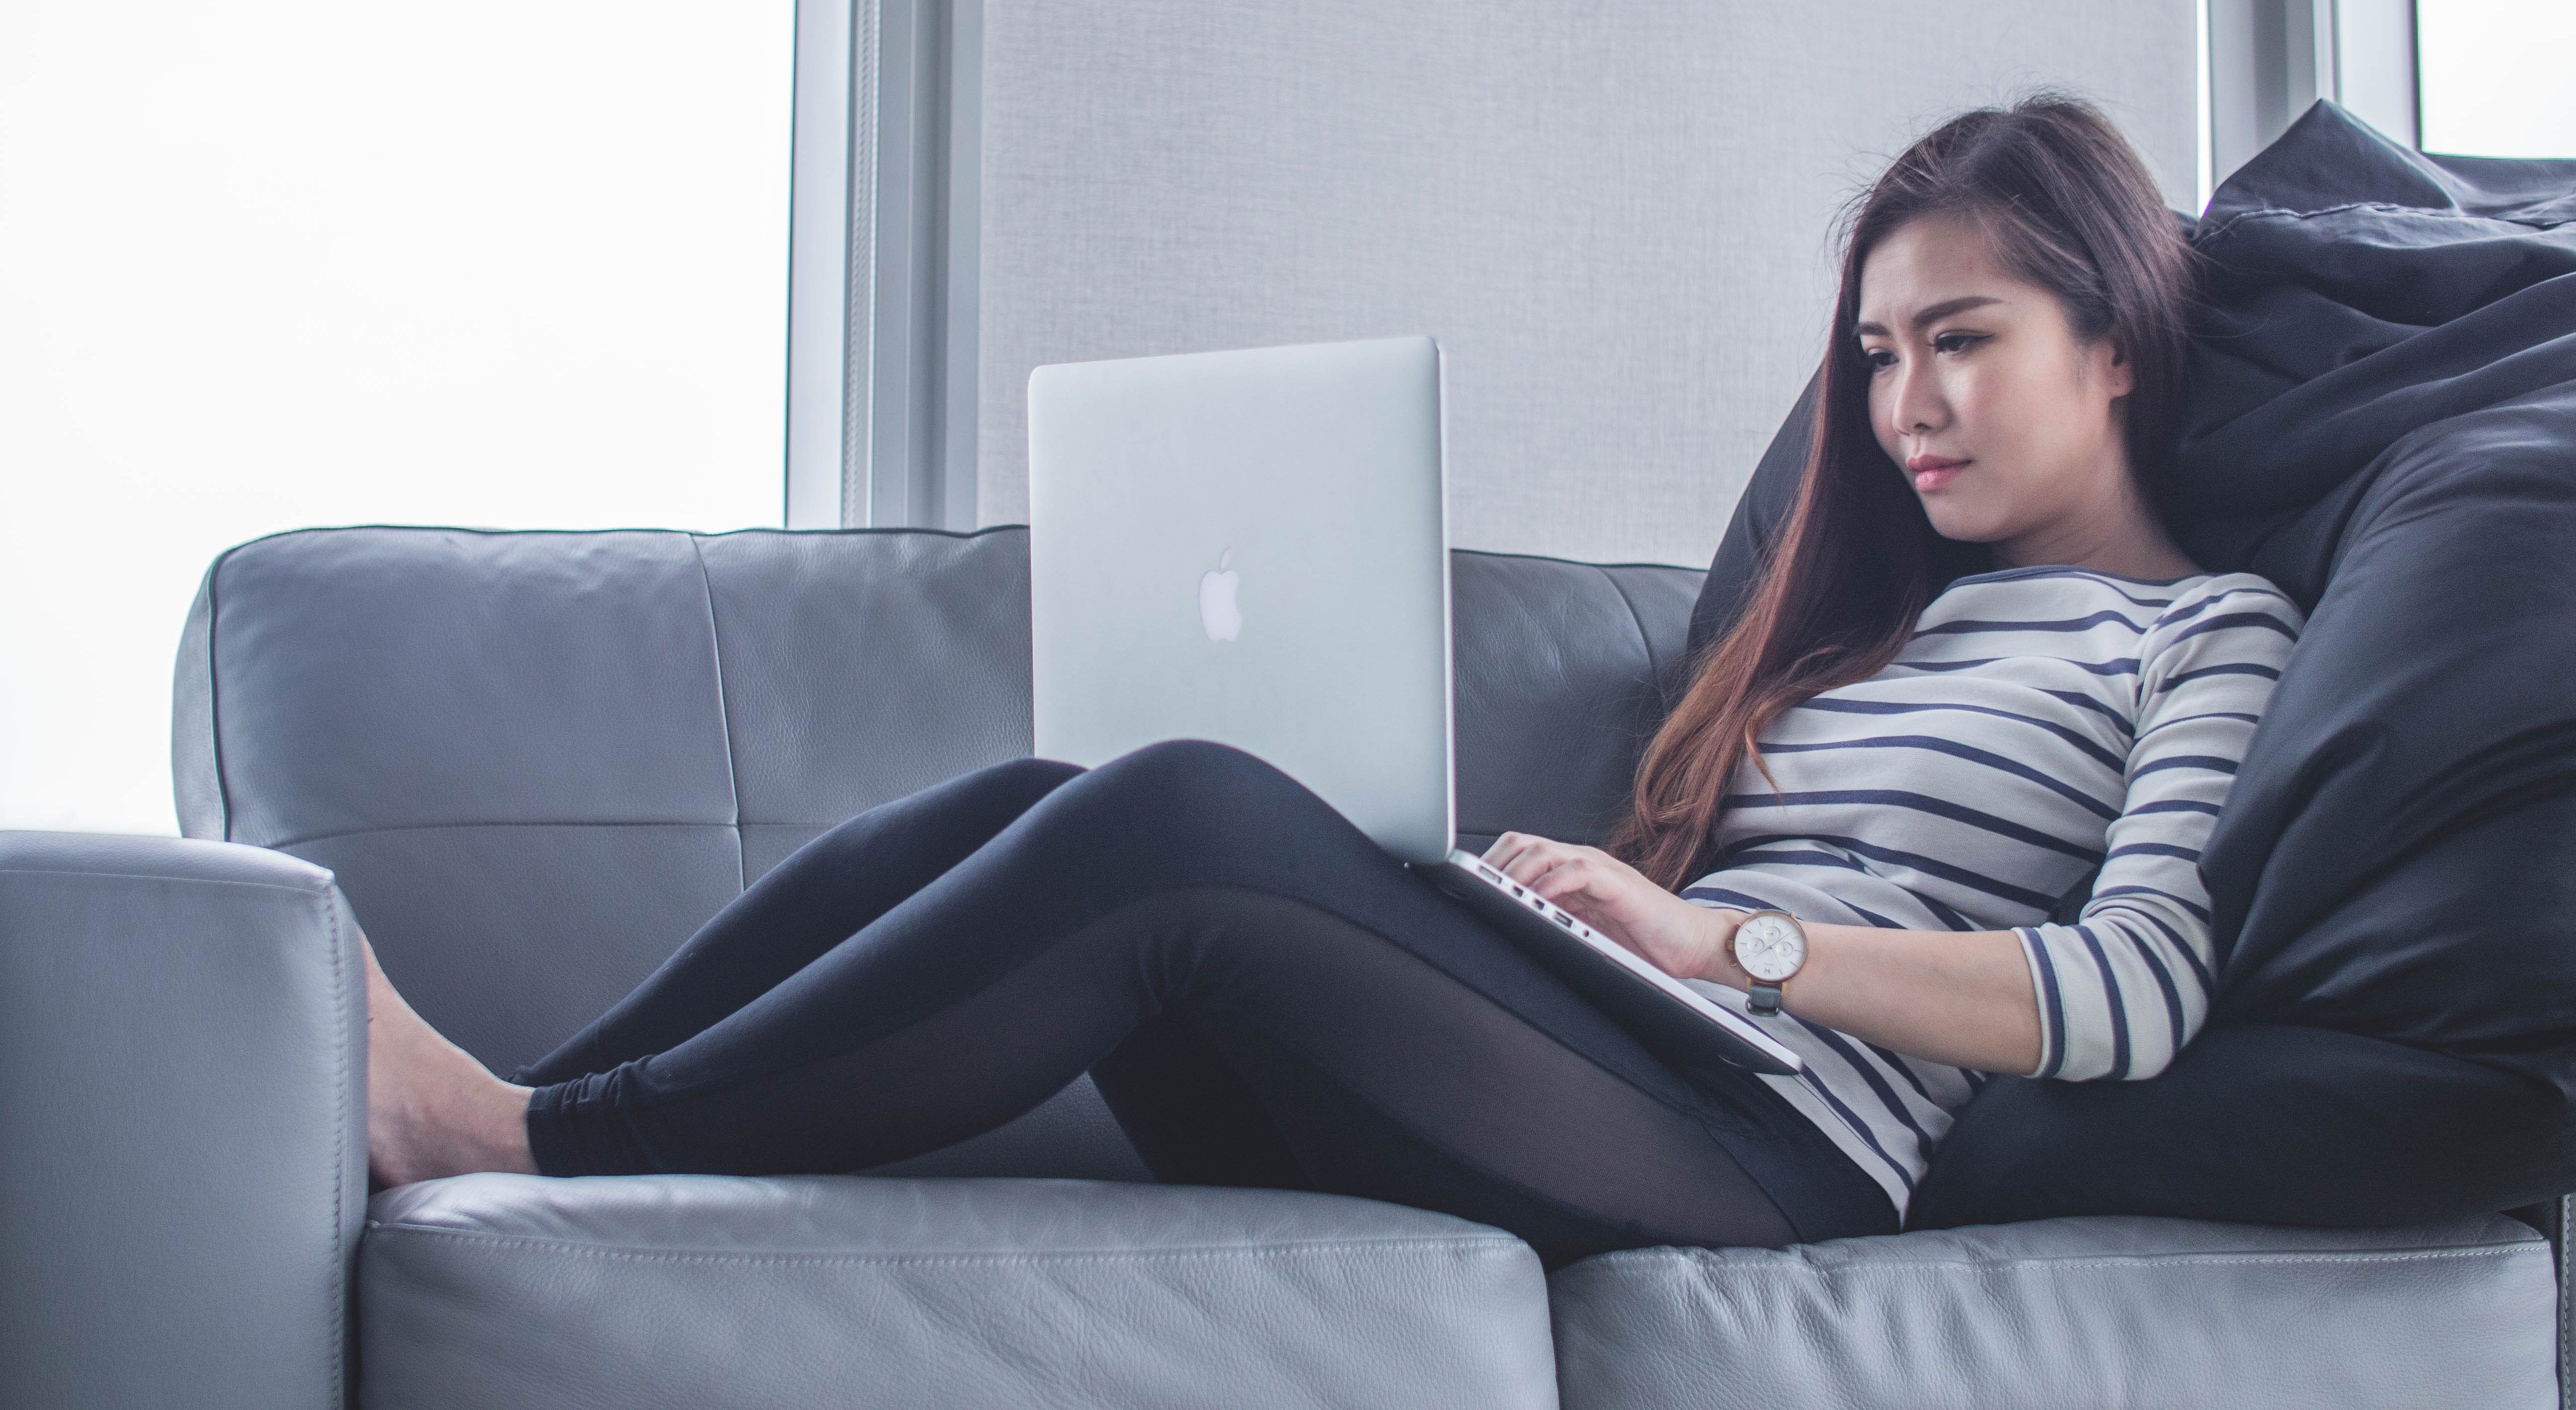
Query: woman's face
1999	417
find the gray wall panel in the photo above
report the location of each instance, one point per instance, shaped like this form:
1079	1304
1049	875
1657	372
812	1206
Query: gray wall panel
1614	218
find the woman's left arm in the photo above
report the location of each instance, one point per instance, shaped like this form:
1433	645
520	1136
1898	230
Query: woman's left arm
2113	995
1958	997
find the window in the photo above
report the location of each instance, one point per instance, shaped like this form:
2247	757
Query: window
2471	77
288	262
2494	76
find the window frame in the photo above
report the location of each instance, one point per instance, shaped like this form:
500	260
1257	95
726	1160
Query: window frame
882	347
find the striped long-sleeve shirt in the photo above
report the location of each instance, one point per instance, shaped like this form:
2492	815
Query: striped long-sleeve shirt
2042	721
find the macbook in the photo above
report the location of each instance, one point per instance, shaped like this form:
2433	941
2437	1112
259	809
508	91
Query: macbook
1252	547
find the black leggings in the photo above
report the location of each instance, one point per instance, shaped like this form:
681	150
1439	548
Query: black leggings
1265	997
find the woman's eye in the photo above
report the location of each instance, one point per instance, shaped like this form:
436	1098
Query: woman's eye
1956	342
1878	359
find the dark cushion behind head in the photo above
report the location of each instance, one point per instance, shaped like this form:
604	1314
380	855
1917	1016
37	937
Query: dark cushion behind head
2383	422
1765	504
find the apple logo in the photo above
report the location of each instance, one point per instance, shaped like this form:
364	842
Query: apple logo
1218	611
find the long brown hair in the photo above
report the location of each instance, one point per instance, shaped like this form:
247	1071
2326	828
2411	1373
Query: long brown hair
2067	206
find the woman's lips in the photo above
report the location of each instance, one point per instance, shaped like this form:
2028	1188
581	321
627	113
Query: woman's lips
1931	472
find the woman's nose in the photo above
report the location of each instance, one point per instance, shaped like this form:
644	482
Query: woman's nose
1918	407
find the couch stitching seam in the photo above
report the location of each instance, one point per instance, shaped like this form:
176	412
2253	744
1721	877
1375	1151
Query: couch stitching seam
2145	1260
1656	685
283	843
164	876
336	1310
1474	1244
724	718
215	693
2564	1323
1552	558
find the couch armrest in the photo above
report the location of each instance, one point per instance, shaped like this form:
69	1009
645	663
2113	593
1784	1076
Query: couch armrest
182	1125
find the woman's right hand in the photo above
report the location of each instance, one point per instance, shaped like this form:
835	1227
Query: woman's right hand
1681	939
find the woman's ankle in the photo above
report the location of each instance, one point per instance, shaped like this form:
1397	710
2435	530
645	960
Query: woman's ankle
503	1133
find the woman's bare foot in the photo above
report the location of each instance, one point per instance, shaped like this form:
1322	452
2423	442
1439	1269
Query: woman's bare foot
432	1110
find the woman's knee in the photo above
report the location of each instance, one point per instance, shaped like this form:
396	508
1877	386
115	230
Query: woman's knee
1198	787
987	798
1032	776
1186	769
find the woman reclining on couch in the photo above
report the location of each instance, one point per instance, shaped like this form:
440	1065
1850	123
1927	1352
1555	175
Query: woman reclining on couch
1266	998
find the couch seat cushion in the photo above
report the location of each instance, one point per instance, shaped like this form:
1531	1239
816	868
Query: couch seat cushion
2087	1311
708	1292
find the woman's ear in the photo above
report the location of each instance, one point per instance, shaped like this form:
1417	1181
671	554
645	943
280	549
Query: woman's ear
2116	371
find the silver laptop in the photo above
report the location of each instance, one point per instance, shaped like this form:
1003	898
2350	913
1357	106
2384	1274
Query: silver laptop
1252	547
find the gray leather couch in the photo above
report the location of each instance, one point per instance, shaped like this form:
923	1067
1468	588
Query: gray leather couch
531	763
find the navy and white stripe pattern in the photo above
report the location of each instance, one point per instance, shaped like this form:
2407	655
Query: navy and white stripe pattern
2041	722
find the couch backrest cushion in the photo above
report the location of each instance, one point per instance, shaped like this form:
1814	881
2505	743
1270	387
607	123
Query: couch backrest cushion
1562	671
537	761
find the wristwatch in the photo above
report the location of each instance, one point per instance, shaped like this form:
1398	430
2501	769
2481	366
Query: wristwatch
1771	946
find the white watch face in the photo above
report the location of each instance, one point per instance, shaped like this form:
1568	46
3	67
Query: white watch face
1770	947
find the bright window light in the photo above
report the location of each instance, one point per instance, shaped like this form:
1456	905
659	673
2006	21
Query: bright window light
2492	77
281	263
